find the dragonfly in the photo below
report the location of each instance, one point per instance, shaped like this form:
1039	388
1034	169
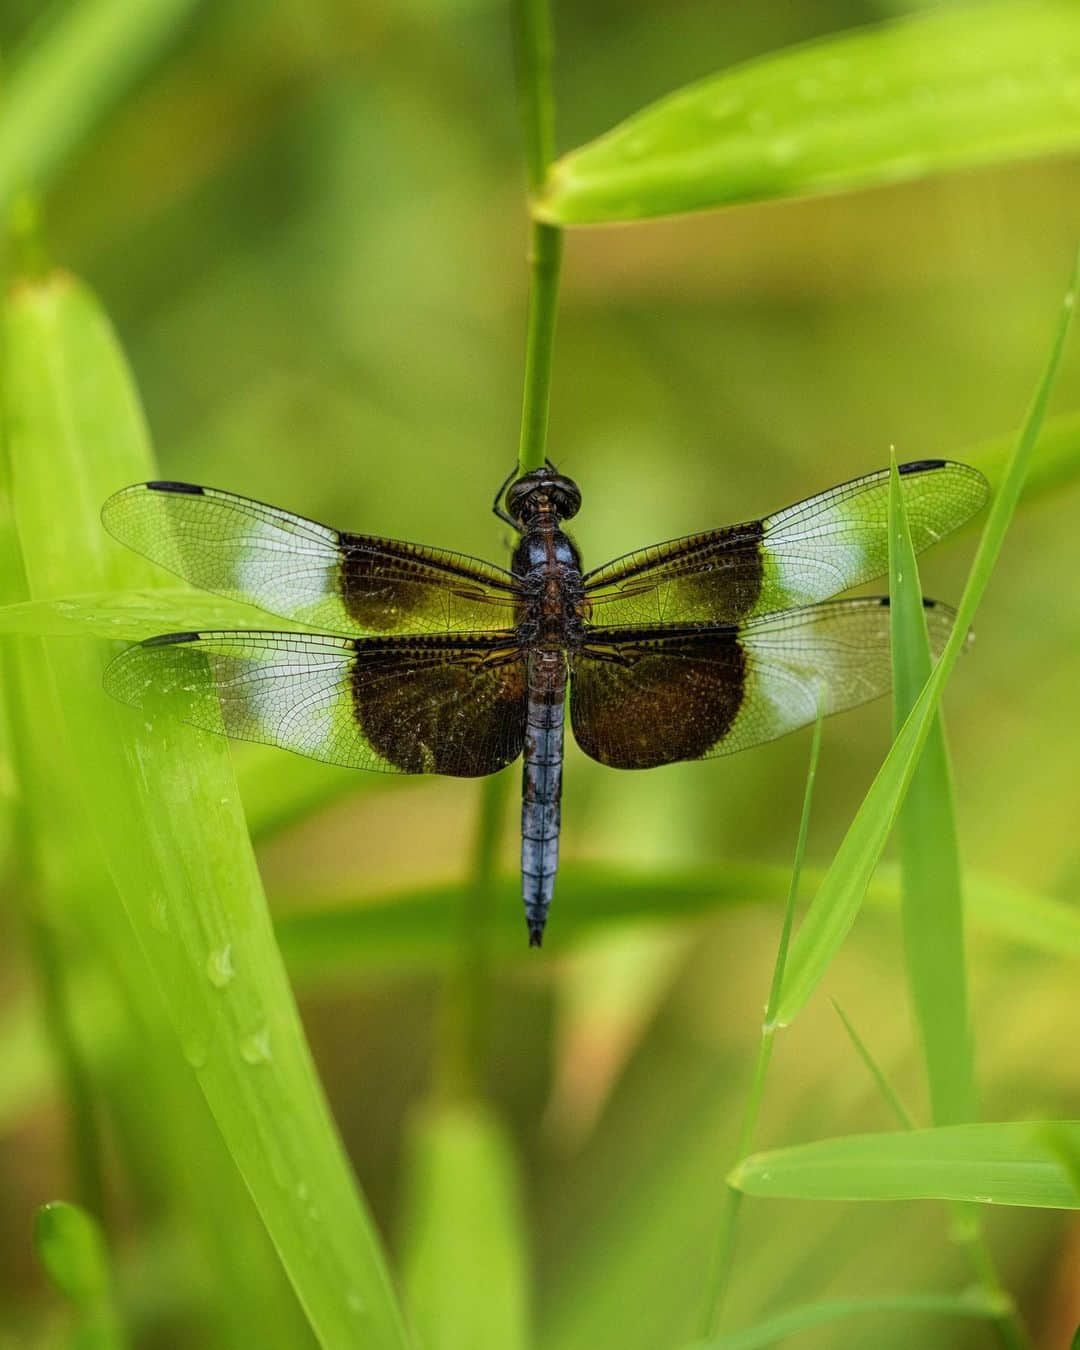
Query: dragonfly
429	661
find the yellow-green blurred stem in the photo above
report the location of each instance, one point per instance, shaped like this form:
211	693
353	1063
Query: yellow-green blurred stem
545	261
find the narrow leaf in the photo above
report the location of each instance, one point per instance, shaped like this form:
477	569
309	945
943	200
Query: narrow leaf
834	908
995	1164
931	888
163	804
135	614
907	99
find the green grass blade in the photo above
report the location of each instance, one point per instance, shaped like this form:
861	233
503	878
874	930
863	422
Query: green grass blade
72	1252
836	904
59	88
876	1072
915	97
464	1263
418	930
931	887
163	804
131	615
1010	1163
1057	466
826	1311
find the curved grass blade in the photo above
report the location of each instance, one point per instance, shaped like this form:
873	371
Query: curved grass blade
164	808
1011	1163
915	97
826	1311
836	904
931	886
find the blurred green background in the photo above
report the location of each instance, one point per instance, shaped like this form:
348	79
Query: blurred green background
307	222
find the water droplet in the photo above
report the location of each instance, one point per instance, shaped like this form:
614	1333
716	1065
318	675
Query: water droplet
1070	299
314	1213
255	1049
302	1191
354	1301
66	606
760	120
159	914
809	88
219	966
195	1051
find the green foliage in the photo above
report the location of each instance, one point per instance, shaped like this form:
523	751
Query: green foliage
76	68
935	92
840	895
464	1265
776	1329
993	1164
932	900
166	816
72	1253
303	220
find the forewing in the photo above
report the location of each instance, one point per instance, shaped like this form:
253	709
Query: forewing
799	556
450	705
655	695
301	570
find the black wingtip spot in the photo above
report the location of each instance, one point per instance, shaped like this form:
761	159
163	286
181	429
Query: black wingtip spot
927	603
884	601
536	934
167	639
192	489
920	465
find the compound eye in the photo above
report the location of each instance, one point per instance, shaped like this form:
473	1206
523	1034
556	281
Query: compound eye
567	500
515	498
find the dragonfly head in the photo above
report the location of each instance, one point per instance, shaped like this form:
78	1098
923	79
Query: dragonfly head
543	490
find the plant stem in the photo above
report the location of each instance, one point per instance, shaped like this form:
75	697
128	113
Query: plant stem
725	1247
533	49
545	259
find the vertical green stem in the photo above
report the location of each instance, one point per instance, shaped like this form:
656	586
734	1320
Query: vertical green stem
545	261
533	50
725	1246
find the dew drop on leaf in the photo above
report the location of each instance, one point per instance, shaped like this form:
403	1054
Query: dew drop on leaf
219	966
255	1049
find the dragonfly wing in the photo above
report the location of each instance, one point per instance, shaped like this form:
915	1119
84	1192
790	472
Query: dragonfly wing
798	556
670	692
302	570
450	705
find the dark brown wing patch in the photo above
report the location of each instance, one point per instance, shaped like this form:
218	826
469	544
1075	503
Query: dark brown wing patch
716	576
388	585
439	706
645	701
